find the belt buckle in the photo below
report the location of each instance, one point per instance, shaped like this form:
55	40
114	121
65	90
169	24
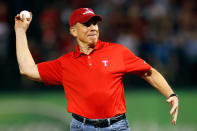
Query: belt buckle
95	123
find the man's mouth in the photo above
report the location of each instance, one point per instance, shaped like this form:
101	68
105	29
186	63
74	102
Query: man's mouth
92	35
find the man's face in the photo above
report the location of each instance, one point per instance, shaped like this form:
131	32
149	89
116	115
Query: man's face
87	32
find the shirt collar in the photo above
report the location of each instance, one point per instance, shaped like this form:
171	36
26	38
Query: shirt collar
77	52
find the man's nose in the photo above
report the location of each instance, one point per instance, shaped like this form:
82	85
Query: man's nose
92	27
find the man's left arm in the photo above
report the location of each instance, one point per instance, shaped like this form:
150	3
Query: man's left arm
158	81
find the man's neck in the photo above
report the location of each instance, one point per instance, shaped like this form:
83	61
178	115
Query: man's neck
86	48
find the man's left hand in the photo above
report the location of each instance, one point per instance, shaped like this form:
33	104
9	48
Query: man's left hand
174	102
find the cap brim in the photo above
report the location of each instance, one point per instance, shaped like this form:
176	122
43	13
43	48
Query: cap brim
86	18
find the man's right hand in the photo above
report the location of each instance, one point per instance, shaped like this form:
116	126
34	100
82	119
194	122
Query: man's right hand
22	24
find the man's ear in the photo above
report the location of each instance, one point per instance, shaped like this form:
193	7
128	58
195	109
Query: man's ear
73	31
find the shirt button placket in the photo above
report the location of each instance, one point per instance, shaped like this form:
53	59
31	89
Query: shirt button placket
89	61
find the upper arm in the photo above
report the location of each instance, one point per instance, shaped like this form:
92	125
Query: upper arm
49	72
33	74
152	76
147	74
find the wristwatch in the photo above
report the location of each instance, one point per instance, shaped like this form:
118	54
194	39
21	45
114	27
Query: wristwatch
173	95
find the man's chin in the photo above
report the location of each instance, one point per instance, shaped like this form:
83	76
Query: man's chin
93	40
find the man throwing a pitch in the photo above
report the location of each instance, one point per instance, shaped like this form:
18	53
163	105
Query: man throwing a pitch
91	75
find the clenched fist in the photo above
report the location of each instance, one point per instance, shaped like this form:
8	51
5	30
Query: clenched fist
22	24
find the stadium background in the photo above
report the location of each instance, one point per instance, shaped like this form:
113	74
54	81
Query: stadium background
162	32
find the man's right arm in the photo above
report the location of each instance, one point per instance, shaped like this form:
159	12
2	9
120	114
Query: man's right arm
25	60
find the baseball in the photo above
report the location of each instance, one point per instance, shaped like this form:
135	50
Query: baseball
25	13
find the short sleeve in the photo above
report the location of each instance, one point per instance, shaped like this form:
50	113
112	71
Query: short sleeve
51	72
134	64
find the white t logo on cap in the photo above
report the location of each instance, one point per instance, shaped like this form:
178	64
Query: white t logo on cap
88	11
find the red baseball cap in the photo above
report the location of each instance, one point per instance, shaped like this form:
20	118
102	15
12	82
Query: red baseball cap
82	15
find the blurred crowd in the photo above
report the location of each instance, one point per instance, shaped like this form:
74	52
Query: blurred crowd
162	32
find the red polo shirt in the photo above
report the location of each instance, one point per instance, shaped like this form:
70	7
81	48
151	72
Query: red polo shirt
93	83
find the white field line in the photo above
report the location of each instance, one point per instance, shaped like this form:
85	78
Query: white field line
59	113
35	126
34	107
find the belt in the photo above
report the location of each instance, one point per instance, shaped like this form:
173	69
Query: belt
99	122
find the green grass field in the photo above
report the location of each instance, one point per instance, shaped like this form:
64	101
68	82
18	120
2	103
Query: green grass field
46	111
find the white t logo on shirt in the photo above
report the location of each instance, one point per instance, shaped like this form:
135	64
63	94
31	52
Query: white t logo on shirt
105	62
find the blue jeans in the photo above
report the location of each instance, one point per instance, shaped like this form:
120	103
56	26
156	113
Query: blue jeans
121	125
